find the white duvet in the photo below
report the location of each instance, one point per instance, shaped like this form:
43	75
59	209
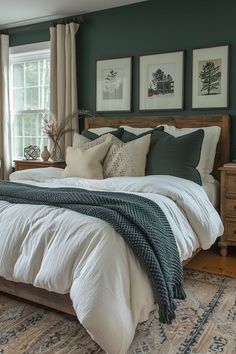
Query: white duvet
67	252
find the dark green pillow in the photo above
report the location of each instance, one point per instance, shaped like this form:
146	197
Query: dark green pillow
127	136
92	136
175	156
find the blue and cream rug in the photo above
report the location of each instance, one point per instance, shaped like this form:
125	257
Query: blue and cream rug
205	323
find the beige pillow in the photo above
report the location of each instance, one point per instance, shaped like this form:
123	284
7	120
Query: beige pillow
121	158
86	163
127	159
80	141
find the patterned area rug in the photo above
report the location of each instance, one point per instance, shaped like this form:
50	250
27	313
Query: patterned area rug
205	323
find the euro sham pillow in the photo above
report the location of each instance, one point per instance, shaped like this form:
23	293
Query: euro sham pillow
102	130
86	163
136	131
121	158
129	135
175	156
91	135
208	152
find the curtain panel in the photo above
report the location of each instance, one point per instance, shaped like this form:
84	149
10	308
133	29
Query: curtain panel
5	122
63	77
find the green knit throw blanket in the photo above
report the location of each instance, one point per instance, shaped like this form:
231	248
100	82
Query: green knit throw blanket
140	222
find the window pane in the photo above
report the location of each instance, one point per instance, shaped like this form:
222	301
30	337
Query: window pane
30	85
17	147
18	75
44	72
18	99
31	98
17	126
44	97
27	130
31	73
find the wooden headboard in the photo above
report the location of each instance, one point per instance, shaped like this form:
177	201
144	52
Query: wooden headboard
223	121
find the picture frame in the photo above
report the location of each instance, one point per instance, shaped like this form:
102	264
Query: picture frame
161	83
210	77
113	85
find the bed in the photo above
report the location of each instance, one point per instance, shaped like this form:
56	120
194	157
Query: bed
61	300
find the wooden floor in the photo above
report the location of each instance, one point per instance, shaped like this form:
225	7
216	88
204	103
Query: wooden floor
212	261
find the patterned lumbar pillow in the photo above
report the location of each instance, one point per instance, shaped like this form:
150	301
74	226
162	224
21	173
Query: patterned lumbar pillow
86	163
121	158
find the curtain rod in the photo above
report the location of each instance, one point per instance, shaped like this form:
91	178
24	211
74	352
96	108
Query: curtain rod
42	25
79	19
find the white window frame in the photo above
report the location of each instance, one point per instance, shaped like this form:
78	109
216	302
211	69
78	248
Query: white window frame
28	52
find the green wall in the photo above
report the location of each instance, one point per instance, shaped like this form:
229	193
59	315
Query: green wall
149	27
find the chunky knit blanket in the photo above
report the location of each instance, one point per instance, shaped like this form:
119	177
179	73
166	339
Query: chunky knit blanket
140	221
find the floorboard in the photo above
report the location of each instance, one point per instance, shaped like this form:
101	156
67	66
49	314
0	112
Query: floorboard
212	261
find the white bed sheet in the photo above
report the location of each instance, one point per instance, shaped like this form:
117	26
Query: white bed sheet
42	174
63	251
213	192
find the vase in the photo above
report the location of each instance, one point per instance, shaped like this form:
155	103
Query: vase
45	154
56	154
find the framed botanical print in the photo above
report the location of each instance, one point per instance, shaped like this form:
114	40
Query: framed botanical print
113	85
210	67
161	81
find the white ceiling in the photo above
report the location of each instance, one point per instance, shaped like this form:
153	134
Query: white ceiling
22	12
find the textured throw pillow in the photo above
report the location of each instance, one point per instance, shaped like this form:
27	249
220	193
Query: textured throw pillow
175	156
86	163
208	152
121	158
91	135
127	159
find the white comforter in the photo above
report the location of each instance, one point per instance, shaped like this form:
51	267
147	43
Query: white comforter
66	252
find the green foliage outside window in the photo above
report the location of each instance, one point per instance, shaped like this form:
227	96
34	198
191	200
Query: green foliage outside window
30	102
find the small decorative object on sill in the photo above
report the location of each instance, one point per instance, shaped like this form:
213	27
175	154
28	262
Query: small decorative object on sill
31	152
45	154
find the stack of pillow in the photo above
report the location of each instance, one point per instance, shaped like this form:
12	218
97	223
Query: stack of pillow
165	150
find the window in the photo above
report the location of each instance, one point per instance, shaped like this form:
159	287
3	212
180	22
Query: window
30	96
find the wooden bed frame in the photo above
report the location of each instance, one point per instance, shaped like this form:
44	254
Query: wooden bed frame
63	302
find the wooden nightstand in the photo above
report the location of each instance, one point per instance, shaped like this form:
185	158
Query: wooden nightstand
28	164
228	206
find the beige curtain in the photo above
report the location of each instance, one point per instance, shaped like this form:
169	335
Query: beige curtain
5	123
63	78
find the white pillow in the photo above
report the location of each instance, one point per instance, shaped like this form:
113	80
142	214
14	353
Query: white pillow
103	130
136	131
36	174
86	163
208	152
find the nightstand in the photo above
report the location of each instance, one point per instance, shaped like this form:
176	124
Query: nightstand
28	164
228	206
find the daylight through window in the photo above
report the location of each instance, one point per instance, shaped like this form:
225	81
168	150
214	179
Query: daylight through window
30	96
